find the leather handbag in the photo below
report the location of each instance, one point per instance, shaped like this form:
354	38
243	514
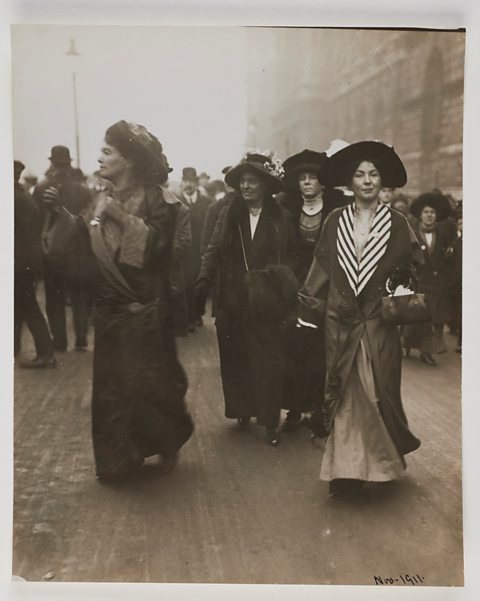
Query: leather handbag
404	309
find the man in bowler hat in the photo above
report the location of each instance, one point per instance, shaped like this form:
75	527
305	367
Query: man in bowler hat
64	272
197	204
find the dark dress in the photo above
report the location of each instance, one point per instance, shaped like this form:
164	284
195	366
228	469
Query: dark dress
139	386
362	411
305	367
252	350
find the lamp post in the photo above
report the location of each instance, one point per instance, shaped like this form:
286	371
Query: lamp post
72	51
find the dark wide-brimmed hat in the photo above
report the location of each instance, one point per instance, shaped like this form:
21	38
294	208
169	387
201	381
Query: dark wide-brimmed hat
226	169
341	164
307	161
189	174
263	166
60	155
434	200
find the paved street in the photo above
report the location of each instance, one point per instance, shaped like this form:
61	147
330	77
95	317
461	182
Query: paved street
235	510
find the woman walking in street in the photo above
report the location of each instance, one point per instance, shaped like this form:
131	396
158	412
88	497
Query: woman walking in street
361	246
430	209
250	249
309	203
138	407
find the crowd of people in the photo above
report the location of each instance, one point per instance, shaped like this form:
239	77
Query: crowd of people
296	258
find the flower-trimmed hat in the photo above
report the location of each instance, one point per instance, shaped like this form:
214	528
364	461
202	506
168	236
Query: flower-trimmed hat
431	199
307	161
340	165
268	170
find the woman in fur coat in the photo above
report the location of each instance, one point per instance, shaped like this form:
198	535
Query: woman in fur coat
251	249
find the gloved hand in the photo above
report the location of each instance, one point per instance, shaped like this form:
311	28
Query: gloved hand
200	293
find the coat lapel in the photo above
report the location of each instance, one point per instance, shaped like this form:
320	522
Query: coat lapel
360	272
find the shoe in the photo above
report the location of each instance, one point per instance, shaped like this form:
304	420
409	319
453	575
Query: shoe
60	348
291	422
199	322
428	359
406	351
168	464
40	363
243	421
191	327
272	436
81	344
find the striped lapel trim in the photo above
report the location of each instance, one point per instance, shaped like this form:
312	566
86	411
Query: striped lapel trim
360	273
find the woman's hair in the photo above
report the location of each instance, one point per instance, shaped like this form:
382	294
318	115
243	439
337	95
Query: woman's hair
143	149
353	166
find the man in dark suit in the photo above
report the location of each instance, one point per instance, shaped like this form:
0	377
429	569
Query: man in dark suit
28	264
63	272
198	205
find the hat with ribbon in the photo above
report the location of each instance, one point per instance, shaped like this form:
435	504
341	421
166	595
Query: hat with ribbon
264	166
341	165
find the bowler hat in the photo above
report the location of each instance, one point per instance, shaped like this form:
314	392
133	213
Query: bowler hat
307	161
189	173
263	166
434	200
60	155
391	169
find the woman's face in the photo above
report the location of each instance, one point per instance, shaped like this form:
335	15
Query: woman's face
428	216
252	188
309	185
366	182
111	162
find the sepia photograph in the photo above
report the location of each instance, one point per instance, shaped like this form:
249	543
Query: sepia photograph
237	305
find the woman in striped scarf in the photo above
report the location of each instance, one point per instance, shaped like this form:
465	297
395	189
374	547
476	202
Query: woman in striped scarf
360	246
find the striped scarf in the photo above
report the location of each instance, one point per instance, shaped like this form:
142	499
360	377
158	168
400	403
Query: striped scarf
359	272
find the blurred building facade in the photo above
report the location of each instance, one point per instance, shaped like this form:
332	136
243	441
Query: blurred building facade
307	87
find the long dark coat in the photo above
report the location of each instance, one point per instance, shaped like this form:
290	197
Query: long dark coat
252	352
328	298
434	273
305	367
193	259
182	241
138	406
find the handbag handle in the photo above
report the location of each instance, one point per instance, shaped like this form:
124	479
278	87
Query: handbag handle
243	246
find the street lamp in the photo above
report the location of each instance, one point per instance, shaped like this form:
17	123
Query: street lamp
72	51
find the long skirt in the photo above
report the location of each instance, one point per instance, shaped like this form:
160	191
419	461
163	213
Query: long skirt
138	406
359	445
252	364
305	370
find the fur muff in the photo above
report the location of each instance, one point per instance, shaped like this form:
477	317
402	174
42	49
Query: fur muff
272	294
